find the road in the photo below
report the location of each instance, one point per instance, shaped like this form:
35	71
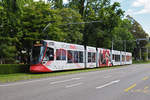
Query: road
126	83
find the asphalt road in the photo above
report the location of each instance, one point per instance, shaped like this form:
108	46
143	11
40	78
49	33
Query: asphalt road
126	83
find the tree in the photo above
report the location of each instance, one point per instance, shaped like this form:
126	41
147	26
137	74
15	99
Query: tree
7	49
123	36
23	21
11	30
34	19
138	32
7	53
39	15
72	31
109	17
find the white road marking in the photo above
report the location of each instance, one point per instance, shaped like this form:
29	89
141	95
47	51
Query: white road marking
99	87
65	80
72	85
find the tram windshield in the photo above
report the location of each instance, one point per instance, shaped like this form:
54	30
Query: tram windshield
37	54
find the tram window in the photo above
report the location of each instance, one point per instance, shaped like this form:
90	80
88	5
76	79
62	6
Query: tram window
89	56
117	58
93	57
123	58
103	60
58	54
128	58
101	57
63	54
70	56
50	54
80	57
113	57
76	56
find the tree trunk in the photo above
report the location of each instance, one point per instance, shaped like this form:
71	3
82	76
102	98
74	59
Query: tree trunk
81	7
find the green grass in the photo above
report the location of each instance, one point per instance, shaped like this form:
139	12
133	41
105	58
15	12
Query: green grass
4	78
141	62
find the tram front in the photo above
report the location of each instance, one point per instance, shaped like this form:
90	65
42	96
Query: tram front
37	55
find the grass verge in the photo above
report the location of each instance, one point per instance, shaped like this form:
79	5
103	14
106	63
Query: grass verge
141	62
5	78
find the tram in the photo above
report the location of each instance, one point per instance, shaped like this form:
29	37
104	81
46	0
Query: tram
49	56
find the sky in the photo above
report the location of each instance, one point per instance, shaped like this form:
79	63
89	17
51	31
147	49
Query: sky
138	9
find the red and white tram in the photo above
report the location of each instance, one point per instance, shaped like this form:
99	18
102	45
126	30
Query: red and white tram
48	56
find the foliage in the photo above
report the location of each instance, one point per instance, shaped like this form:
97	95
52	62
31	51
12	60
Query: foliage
109	16
141	62
38	15
144	56
7	53
35	17
7	49
72	31
30	24
123	37
137	32
23	21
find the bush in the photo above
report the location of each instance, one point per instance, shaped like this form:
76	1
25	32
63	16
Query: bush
13	68
144	56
